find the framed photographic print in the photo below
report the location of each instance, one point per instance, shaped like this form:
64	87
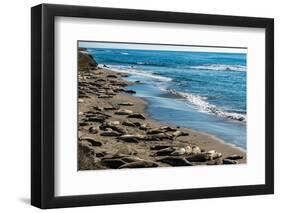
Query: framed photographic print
139	106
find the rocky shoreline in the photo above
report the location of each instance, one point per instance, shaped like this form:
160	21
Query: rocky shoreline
114	130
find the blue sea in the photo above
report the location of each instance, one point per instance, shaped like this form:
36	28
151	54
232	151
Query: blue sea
204	91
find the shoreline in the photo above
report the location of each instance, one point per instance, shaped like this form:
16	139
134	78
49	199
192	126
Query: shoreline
171	124
193	130
107	112
186	109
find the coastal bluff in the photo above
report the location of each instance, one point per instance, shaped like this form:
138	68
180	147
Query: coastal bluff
85	60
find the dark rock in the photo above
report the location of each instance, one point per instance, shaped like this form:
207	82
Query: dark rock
175	161
82	49
85	60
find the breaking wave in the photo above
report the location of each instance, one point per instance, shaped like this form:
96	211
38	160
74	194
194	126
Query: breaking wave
198	101
204	106
220	67
133	71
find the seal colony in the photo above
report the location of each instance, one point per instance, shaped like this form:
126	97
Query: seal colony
114	131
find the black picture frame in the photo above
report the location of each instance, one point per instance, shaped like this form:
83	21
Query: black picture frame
43	105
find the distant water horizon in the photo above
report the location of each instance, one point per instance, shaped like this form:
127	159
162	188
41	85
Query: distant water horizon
204	91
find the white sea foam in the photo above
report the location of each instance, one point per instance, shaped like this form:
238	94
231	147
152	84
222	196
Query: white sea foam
220	67
203	105
124	53
129	70
84	52
141	62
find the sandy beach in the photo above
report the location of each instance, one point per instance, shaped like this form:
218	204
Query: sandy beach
115	130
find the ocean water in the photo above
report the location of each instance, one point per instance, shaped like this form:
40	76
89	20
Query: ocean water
204	91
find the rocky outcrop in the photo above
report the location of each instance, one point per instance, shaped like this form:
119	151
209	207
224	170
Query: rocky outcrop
86	61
